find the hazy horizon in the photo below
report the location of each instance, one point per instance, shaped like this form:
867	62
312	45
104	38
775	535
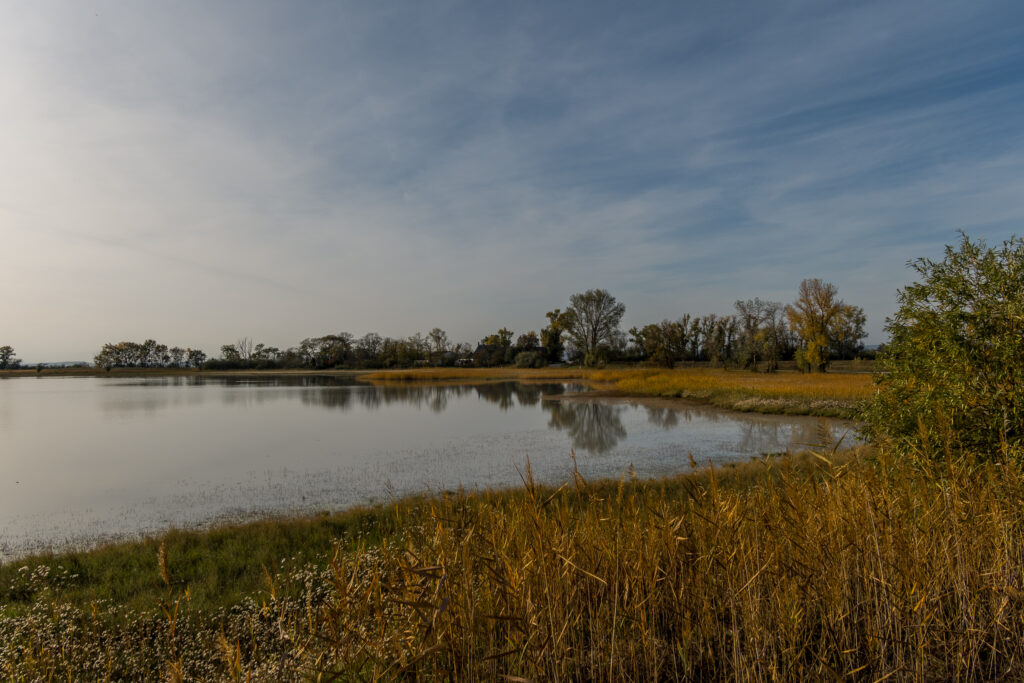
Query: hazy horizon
196	173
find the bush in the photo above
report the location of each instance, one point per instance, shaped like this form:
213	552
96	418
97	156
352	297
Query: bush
597	358
530	359
951	379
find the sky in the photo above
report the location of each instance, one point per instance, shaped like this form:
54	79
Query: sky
198	172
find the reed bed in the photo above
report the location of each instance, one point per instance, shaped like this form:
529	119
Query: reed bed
821	394
821	567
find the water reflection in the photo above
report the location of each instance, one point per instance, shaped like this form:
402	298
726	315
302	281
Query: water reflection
135	455
335	393
593	426
755	430
666	418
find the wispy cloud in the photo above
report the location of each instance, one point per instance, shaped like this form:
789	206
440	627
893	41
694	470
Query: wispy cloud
196	172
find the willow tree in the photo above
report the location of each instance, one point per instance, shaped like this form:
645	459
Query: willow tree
951	379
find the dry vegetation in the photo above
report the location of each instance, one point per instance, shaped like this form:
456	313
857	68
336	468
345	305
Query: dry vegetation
792	569
814	394
826	394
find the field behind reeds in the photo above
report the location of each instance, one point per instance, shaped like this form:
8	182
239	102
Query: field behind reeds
792	569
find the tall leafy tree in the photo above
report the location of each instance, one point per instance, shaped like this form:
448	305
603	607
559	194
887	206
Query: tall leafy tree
951	378
8	360
593	323
823	322
761	334
551	337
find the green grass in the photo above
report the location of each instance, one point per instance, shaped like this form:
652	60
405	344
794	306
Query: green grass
221	566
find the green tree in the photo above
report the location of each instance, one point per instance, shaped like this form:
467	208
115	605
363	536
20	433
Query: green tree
762	333
8	360
194	358
230	352
551	336
592	324
951	379
177	355
502	338
528	341
654	343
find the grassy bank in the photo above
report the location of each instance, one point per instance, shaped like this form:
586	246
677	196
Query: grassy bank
789	569
831	394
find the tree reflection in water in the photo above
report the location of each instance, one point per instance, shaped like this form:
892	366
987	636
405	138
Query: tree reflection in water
347	394
666	418
755	430
593	426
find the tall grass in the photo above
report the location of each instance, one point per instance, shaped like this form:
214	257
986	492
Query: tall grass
798	569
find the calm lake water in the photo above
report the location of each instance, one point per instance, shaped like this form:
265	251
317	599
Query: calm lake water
89	459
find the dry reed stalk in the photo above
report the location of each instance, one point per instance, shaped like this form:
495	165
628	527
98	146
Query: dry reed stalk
835	566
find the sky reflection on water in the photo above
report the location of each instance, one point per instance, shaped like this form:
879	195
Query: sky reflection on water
84	459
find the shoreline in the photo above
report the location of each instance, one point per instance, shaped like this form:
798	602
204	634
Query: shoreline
735	390
18	551
265	539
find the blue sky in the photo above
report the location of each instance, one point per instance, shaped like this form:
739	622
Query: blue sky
199	172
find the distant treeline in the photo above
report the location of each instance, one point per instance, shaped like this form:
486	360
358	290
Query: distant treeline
817	328
148	354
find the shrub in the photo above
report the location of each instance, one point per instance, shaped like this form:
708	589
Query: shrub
597	358
951	379
530	359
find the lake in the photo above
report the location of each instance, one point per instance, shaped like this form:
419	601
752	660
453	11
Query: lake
84	460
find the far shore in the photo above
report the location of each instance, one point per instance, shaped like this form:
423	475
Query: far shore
837	393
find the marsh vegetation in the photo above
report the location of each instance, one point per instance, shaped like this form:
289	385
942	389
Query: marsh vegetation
799	569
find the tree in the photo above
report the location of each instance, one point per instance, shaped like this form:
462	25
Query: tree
551	336
845	341
8	361
717	337
438	340
245	347
153	354
328	351
528	342
368	348
822	321
502	338
230	352
951	379
762	332
654	343
194	358
775	339
592	324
